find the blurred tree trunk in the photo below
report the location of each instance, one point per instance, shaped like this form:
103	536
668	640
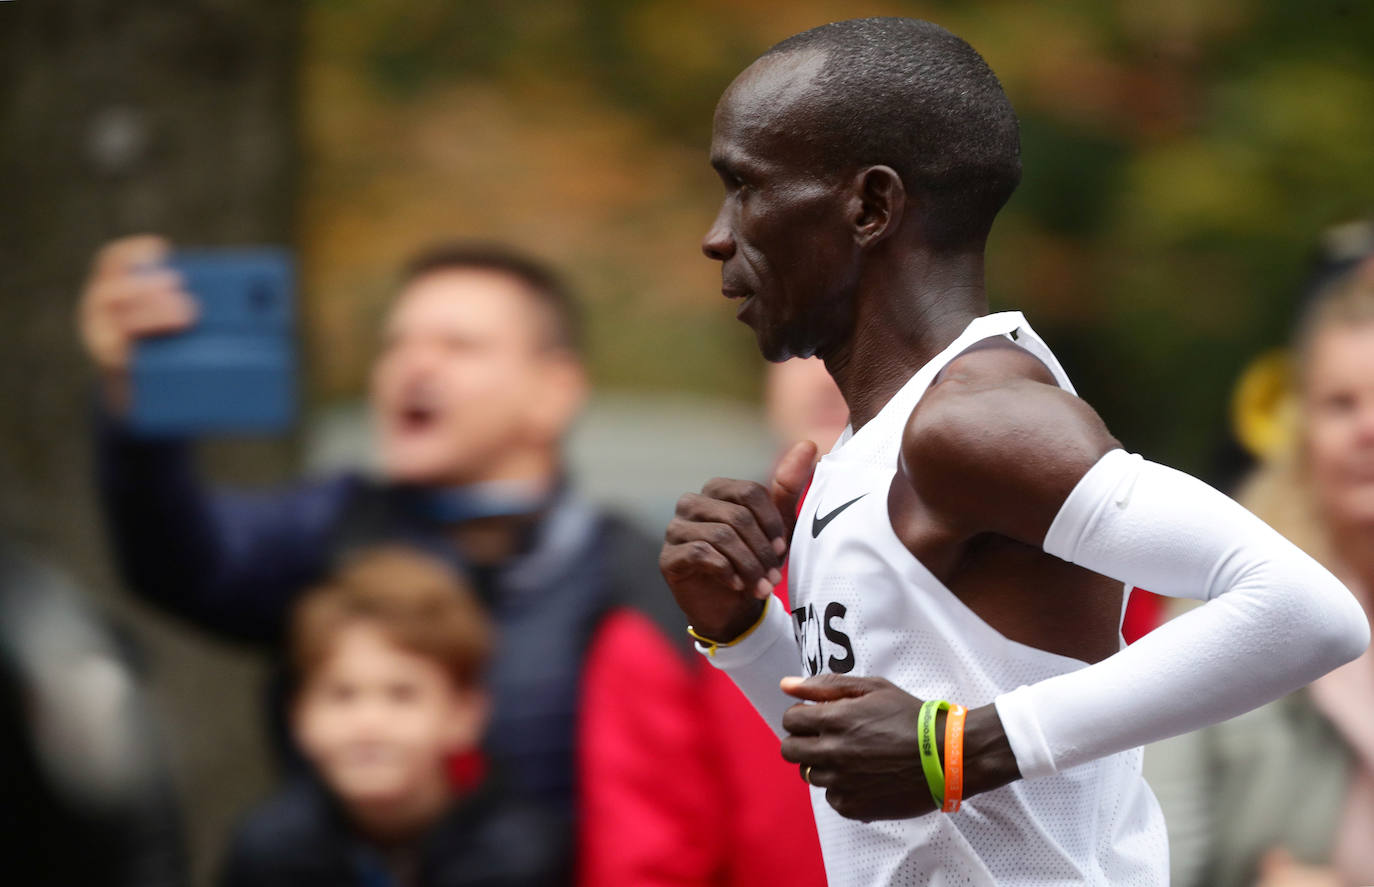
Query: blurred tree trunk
123	116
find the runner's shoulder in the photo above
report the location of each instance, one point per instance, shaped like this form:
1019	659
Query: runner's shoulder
977	395
990	363
996	437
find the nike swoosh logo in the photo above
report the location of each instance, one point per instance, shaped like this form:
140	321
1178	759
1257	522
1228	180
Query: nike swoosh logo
819	523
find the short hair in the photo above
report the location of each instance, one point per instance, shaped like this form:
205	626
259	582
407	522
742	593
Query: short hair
420	604
547	288
909	94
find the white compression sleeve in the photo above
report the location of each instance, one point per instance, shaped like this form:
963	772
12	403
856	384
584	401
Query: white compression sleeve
1273	620
758	664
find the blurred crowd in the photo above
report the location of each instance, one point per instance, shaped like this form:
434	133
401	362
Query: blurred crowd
481	679
1284	796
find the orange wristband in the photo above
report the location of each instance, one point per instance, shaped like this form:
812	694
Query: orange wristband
954	758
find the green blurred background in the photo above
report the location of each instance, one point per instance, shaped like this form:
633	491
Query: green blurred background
1181	157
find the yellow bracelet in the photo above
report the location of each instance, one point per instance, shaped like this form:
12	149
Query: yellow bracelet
711	646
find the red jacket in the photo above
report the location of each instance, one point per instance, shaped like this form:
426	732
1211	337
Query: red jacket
680	781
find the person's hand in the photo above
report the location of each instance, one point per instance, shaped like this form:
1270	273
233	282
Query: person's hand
859	741
1278	868
128	297
859	736
724	549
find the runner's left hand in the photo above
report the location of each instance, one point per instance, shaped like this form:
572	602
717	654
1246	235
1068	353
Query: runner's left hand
858	736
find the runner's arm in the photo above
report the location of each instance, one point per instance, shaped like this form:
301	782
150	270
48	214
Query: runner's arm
1031	462
722	558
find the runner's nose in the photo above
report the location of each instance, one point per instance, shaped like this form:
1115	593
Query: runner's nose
719	243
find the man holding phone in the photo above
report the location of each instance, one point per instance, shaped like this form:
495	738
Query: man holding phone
480	375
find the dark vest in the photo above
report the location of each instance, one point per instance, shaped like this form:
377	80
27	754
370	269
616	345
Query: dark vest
547	603
299	838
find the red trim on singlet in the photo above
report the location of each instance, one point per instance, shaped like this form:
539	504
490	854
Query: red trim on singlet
1144	613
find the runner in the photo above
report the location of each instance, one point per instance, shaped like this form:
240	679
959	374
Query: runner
969	536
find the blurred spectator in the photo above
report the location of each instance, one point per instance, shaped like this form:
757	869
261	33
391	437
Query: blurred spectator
804	403
1284	795
387	658
735	814
479	378
83	796
1259	420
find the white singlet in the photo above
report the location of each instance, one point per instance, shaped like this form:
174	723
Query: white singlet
864	605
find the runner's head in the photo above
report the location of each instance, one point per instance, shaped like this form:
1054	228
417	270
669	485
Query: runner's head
838	143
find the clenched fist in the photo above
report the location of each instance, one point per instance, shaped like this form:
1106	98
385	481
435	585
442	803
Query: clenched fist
725	547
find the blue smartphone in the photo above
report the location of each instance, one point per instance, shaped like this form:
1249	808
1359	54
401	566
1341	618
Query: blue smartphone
234	371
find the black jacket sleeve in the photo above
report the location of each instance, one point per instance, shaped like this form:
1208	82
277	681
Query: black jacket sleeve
229	563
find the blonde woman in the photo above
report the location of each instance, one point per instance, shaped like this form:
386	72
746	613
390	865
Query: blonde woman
1284	796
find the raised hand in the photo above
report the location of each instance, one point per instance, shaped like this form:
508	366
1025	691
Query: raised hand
724	549
128	297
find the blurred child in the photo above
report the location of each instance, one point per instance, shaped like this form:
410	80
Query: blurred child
390	711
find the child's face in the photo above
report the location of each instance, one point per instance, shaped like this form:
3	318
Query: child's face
379	721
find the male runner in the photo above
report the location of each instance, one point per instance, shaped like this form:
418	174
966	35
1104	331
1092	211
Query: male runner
969	536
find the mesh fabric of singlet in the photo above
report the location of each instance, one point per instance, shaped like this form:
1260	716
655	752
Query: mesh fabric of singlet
864	605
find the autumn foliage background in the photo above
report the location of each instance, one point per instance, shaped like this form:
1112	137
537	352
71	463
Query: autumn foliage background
1180	159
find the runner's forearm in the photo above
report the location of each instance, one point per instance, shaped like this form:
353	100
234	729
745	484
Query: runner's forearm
760	661
1273	620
